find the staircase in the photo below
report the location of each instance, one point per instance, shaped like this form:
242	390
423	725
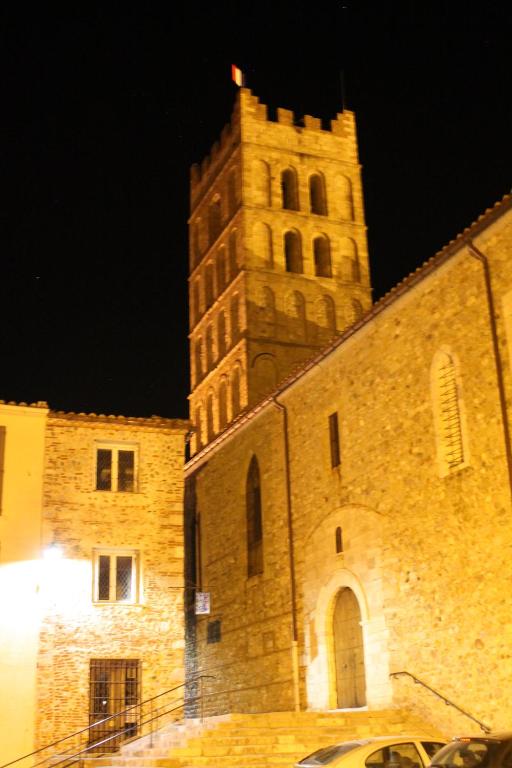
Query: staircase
270	740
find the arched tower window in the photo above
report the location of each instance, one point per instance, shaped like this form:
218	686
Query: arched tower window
339	540
344	197
232	196
198	426
317	200
349	260
198	359
214	220
223	404
296	312
208	285
254	520
262	244
235	319
233	263
235	393
209	417
322	256
329	319
268	325
261	181
357	310
289	190
221	334
451	448
293	252
221	270
196	244
209	348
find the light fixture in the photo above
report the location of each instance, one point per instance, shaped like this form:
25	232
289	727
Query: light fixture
52	552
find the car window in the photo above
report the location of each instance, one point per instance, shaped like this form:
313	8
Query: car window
473	753
326	755
395	756
431	747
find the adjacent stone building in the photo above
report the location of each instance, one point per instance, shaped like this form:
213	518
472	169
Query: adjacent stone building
355	521
91	568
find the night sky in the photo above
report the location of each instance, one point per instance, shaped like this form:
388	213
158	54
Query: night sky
104	108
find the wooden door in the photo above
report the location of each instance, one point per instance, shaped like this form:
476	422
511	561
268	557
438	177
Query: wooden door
348	651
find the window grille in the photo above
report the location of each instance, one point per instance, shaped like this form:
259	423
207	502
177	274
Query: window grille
116	469
115	576
114	685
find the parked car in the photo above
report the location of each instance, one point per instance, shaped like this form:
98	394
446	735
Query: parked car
494	750
378	752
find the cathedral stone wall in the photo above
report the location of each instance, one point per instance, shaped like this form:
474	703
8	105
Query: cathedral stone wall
425	549
78	624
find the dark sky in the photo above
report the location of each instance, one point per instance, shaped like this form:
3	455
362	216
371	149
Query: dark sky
104	108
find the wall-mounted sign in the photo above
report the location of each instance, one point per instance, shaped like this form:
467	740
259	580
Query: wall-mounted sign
202	603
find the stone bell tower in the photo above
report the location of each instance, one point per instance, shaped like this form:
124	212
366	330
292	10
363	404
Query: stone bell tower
278	255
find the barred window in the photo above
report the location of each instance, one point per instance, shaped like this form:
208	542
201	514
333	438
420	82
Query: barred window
115	576
116	468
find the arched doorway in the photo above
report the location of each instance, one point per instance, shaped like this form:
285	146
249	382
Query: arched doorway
348	651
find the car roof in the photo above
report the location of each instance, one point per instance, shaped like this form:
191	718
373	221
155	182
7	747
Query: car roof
394	738
482	736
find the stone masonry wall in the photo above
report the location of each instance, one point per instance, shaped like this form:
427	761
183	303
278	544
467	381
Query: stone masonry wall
427	556
78	518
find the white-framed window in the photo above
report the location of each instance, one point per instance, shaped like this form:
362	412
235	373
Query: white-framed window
116	575
116	467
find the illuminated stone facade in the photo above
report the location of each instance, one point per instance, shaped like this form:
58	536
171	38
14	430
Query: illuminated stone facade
105	497
278	255
405	507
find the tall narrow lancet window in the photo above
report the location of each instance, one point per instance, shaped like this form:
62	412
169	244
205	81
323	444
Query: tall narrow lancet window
214	220
289	190
329	308
293	252
235	319
254	520
446	396
317	201
322	256
196	304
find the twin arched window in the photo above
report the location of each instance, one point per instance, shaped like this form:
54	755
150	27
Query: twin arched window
254	520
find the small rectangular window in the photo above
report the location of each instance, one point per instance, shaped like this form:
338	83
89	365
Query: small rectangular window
116	469
213	634
116	576
334	438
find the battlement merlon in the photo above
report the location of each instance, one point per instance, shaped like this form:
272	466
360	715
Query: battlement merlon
249	117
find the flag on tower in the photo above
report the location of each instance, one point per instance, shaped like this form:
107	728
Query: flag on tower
237	75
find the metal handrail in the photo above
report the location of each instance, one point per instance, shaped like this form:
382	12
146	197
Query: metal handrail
96	744
485	728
